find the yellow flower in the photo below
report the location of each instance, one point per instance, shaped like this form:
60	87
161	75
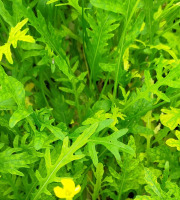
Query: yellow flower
68	191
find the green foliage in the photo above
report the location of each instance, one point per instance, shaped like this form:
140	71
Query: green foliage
99	175
171	118
90	90
99	33
12	160
15	35
171	190
173	142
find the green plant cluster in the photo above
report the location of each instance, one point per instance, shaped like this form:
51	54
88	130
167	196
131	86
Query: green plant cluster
90	90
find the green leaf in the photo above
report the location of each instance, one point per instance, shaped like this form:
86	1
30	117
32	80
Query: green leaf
56	131
144	131
5	49
165	175
167	49
100	33
6	102
174	143
131	175
99	175
11	160
52	39
39	140
152	183
62	65
117	6
149	17
64	89
5	123
66	156
13	88
171	118
18	115
13	91
159	155
5	15
71	103
170	80
16	34
111	143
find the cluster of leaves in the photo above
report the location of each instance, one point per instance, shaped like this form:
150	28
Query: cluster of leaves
90	90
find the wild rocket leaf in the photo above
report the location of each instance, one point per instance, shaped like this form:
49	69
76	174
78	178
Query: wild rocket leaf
111	143
66	156
13	92
6	15
72	3
117	6
170	192
170	118
174	143
131	175
15	35
12	88
98	68
62	65
149	17
18	115
153	184
99	33
5	49
52	39
99	176
171	80
11	160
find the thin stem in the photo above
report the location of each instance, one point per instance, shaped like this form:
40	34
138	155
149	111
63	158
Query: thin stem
121	44
84	35
121	187
104	87
4	27
42	89
6	65
148	148
76	100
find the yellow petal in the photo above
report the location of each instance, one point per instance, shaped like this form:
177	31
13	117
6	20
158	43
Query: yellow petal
68	184
59	192
77	189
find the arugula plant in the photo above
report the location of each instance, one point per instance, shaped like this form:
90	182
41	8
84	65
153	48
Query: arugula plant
89	99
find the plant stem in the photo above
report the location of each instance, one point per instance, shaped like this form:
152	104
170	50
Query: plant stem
122	46
6	65
104	87
76	100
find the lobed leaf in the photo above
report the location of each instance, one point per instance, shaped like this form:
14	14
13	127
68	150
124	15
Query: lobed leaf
171	118
174	143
